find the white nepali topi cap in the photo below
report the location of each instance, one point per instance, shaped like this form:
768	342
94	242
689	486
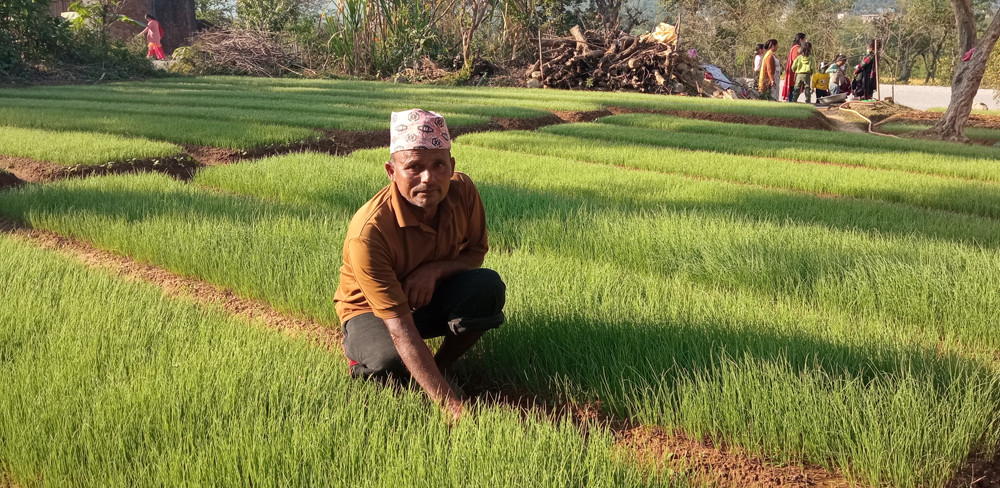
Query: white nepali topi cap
418	129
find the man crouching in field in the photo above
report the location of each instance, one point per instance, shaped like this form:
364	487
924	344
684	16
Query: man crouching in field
412	261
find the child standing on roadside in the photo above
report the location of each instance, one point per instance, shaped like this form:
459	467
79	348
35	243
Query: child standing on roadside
821	82
804	66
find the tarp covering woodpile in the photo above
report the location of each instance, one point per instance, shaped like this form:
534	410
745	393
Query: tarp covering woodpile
650	63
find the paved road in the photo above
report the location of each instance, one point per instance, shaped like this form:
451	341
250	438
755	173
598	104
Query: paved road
925	97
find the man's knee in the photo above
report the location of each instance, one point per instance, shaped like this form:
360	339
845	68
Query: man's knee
379	363
369	346
489	283
487	293
482	308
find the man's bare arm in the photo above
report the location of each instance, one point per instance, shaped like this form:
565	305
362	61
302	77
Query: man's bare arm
419	361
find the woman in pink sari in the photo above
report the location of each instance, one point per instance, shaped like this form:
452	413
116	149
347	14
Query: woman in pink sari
793	53
154	33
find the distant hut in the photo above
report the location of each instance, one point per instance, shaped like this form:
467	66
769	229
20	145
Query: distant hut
177	17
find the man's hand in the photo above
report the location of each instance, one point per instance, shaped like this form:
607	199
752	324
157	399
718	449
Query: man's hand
419	361
420	283
452	410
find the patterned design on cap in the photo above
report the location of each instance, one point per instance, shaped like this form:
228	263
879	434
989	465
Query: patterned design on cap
418	129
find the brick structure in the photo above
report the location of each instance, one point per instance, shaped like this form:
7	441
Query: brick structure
177	17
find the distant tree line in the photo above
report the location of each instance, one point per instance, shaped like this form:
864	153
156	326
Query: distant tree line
918	37
379	37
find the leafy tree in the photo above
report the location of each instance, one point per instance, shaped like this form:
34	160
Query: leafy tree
968	73
916	31
28	34
268	15
216	12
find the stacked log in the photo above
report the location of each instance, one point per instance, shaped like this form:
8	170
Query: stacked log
588	60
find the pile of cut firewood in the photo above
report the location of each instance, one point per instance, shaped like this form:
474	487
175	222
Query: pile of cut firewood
588	60
240	52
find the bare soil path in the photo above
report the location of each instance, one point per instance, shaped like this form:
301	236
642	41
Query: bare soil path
844	121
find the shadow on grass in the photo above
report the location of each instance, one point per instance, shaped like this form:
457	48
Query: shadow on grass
510	210
533	220
600	359
507	204
603	356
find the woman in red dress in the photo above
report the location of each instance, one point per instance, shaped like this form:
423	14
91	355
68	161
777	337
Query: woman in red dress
153	33
793	53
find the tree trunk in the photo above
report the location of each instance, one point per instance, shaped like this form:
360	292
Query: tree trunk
935	56
177	17
906	67
968	74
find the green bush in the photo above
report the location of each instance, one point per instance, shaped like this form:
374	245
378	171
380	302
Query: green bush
34	44
92	56
28	34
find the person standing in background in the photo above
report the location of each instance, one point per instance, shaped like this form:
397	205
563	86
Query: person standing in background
154	34
866	73
757	60
804	67
793	53
768	78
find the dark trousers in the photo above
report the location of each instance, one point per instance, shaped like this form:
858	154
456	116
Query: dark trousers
469	301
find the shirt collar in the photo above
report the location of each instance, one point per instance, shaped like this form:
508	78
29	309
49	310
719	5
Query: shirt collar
404	214
405	217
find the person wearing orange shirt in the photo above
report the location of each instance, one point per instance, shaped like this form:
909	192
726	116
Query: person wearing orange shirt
411	266
768	78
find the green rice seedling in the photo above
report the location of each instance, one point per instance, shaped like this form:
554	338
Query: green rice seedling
972	197
977	111
221	230
918	162
78	147
320	181
897	282
330	102
782	268
178	129
721	363
801	137
538	99
976	133
649	293
109	383
336	117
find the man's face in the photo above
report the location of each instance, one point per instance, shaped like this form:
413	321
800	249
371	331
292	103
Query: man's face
422	175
